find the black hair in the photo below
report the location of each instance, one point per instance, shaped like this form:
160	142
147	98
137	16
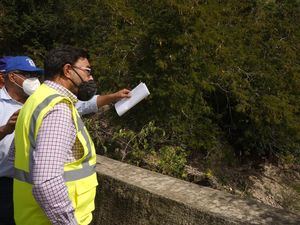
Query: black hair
58	57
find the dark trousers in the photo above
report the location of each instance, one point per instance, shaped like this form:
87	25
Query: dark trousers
6	201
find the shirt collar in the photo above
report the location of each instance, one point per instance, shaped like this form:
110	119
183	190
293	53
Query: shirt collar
62	90
4	94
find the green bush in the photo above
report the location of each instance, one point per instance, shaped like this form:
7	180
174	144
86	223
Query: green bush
220	73
149	148
172	161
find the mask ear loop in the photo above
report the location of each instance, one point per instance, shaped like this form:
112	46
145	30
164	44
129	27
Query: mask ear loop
16	82
78	76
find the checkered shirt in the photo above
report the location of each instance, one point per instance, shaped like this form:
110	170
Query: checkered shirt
56	144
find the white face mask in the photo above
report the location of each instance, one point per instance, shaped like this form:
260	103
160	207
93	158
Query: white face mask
30	85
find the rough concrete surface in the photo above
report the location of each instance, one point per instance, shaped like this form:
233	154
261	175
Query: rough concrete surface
134	196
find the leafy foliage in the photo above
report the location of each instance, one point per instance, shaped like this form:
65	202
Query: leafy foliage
220	73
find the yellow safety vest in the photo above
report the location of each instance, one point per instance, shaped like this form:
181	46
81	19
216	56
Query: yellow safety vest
80	177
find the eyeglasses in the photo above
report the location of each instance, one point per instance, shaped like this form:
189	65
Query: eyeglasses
86	69
26	74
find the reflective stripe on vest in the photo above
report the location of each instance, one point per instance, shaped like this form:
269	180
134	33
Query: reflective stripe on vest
72	175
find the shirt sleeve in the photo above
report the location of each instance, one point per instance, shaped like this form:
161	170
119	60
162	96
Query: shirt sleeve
86	107
11	159
54	143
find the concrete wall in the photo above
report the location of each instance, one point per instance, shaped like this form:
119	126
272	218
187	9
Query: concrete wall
134	196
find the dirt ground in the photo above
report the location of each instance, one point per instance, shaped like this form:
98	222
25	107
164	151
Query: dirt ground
278	186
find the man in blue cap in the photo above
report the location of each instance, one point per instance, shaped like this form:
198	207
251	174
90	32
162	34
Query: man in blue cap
21	78
20	73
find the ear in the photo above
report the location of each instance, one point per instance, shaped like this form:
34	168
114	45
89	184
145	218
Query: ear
11	77
67	70
1	80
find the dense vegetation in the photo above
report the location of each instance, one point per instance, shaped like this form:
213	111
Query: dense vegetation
224	75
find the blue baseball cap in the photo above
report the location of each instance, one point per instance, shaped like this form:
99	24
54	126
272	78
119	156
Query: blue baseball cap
21	63
3	63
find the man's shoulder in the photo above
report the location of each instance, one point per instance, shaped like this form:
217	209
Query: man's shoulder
3	94
6	100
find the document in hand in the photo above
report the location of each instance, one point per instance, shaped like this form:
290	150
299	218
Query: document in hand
137	94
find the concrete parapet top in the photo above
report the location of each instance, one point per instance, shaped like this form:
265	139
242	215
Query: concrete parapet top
205	200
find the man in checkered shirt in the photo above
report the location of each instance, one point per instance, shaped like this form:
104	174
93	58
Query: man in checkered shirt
68	72
10	103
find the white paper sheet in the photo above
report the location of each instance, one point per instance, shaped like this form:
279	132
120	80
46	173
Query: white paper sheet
137	94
